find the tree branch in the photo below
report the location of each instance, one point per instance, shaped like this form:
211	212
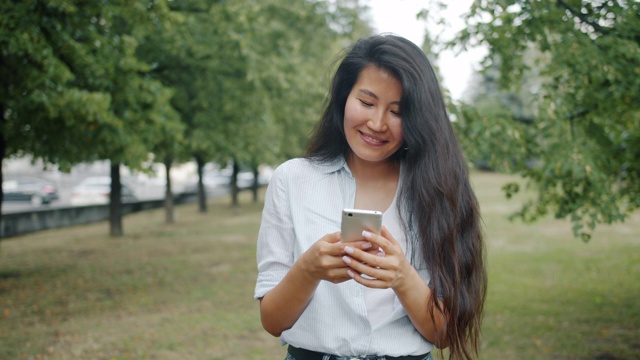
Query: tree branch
602	30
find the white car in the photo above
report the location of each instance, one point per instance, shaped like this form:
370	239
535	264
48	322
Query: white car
95	190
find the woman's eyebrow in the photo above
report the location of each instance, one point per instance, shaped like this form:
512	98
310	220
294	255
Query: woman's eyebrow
368	93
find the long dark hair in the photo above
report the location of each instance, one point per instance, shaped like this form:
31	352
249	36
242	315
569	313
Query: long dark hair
437	204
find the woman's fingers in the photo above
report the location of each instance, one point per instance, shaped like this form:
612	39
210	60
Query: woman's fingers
366	275
385	243
330	245
380	268
328	251
330	258
365	264
374	260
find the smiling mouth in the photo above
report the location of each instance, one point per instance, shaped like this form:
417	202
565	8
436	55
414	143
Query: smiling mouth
372	140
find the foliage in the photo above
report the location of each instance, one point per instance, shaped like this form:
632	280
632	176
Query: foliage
281	54
581	149
73	89
248	75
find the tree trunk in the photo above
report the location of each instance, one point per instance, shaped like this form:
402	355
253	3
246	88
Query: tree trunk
234	184
255	185
202	192
3	151
168	195
115	202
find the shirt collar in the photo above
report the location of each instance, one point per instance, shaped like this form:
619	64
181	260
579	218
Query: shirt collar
334	165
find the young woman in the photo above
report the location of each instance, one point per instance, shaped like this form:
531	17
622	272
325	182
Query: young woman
384	143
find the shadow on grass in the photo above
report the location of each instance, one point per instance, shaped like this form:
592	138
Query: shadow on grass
7	275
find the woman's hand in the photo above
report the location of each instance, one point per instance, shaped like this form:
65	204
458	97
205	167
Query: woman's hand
323	260
386	267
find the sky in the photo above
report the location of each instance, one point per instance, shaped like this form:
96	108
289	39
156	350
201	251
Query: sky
399	17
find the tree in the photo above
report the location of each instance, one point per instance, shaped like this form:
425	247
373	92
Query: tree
183	53
40	97
148	123
286	50
73	89
581	149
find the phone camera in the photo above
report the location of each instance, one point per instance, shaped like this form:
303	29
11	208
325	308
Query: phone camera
349	214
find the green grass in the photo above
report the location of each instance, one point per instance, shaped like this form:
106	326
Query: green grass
552	296
184	291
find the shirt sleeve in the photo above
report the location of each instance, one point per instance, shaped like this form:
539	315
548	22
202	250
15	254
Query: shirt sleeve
276	238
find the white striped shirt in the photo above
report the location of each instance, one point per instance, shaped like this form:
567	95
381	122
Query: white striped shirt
303	203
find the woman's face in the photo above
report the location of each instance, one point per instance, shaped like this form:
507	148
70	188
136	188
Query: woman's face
372	121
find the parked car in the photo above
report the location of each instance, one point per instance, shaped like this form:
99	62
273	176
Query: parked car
217	178
96	190
28	188
221	179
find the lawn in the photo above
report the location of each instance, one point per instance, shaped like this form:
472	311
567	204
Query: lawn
184	291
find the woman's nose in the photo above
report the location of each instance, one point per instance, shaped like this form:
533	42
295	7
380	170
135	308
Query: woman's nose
377	122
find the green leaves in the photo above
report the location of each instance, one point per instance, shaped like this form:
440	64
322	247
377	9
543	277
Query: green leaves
579	145
249	76
75	90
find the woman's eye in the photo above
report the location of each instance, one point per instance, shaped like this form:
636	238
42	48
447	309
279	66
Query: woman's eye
365	103
397	113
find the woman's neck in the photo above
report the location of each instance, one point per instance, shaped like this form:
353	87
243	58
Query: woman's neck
376	183
373	171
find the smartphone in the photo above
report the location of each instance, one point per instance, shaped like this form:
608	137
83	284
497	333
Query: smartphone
354	221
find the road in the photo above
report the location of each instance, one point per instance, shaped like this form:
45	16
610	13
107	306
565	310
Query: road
142	192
